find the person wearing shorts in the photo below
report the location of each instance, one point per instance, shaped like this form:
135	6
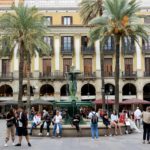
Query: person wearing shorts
22	123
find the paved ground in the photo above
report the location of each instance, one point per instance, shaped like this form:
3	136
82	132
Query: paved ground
126	142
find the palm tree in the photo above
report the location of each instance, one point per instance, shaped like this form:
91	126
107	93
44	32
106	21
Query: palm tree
26	28
89	9
119	20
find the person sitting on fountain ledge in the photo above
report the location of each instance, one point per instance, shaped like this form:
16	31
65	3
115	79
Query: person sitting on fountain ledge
76	121
57	121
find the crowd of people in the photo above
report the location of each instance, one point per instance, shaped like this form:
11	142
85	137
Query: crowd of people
130	120
17	123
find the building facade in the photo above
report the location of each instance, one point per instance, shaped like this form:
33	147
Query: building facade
68	38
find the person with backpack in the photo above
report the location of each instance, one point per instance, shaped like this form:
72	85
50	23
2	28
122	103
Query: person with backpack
94	123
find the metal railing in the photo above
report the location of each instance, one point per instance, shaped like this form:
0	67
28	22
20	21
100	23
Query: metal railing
87	50
129	74
6	76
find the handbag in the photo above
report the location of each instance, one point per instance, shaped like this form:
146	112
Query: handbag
9	124
127	123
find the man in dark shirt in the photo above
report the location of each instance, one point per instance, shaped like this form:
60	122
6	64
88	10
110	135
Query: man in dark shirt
106	122
22	123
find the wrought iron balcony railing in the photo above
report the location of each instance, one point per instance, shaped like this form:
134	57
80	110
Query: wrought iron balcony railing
129	75
108	74
146	49
147	74
68	51
87	76
6	76
87	50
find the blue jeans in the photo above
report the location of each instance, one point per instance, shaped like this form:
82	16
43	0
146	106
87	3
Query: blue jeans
94	130
55	127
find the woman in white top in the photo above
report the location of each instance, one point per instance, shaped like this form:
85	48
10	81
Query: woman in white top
115	122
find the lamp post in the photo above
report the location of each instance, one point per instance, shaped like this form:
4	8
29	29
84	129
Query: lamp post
110	89
103	90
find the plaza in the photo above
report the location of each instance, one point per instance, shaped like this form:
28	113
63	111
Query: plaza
130	142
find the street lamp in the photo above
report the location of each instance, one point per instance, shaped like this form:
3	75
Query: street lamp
110	89
103	90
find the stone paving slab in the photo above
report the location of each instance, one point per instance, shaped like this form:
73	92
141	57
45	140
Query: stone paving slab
126	142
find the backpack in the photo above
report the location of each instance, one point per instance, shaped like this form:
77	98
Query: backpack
94	118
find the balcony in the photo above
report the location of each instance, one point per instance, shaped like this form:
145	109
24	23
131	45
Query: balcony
6	76
57	75
108	74
146	49
147	74
65	51
25	75
129	75
87	50
87	76
108	49
128	49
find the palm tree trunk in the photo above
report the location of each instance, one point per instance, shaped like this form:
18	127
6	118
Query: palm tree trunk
117	72
21	64
102	76
28	83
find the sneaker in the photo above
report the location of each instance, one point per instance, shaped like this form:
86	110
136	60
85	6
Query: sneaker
148	142
40	134
59	136
18	144
29	144
105	135
47	134
5	144
13	144
126	132
110	135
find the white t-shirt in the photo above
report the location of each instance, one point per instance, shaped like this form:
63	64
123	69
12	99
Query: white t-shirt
114	117
58	119
37	119
138	114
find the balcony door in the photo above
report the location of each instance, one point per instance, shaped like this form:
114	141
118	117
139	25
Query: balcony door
128	66
147	66
87	66
5	67
67	62
108	67
46	66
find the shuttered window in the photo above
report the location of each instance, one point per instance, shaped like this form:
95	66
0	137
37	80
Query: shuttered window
5	66
67	62
46	66
147	66
87	66
128	66
108	67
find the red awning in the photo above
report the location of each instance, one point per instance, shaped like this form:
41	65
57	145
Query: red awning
99	101
134	101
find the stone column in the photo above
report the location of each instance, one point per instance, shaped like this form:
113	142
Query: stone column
16	3
139	59
36	65
57	52
77	51
16	62
98	65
